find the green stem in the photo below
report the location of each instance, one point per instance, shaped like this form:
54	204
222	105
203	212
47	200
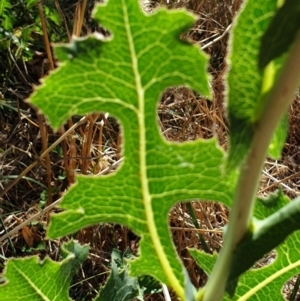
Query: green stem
242	209
197	226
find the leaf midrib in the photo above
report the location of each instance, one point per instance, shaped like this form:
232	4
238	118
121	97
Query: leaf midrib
268	280
147	200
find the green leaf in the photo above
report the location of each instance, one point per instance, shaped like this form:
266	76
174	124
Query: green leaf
260	284
53	15
7	23
4	4
257	284
267	234
120	286
265	207
140	59
281	32
30	279
149	285
280	218
205	260
29	3
279	139
249	86
125	76
190	291
8	18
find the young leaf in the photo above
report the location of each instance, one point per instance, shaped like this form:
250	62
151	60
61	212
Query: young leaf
6	17
4	5
120	286
148	285
125	76
205	260
30	279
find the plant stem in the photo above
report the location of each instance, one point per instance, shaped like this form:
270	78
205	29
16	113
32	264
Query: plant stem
47	151
242	209
197	226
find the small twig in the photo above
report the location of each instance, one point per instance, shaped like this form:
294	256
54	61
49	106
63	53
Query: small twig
88	141
41	121
50	207
281	181
45	33
166	292
15	64
65	156
48	150
9	240
220	230
79	17
216	39
44	138
64	18
89	278
277	182
31	219
107	169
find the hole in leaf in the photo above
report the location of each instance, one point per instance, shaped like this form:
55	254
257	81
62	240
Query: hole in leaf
96	146
266	260
209	218
185	116
95	270
291	289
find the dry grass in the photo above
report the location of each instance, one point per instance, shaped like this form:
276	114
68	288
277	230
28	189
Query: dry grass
95	147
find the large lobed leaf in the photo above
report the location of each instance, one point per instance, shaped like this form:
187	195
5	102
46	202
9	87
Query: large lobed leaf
119	286
125	76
